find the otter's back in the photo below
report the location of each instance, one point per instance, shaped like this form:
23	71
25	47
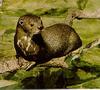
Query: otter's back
56	37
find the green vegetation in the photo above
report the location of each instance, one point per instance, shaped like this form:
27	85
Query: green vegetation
52	11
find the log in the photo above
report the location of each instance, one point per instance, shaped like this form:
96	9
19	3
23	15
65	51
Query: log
12	63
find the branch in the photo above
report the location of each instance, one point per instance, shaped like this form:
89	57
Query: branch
79	52
89	15
79	14
71	15
87	47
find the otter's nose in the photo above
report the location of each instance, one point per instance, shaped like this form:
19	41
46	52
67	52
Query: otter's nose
41	27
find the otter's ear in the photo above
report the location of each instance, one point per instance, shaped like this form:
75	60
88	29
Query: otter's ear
21	22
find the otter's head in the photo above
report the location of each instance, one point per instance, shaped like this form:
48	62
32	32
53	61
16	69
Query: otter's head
31	24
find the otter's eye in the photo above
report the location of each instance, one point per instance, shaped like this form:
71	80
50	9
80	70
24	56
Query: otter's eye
32	25
21	22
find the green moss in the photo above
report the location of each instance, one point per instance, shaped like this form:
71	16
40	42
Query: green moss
50	12
92	84
83	75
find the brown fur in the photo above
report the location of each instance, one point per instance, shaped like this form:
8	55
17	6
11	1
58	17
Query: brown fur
53	41
60	39
27	26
